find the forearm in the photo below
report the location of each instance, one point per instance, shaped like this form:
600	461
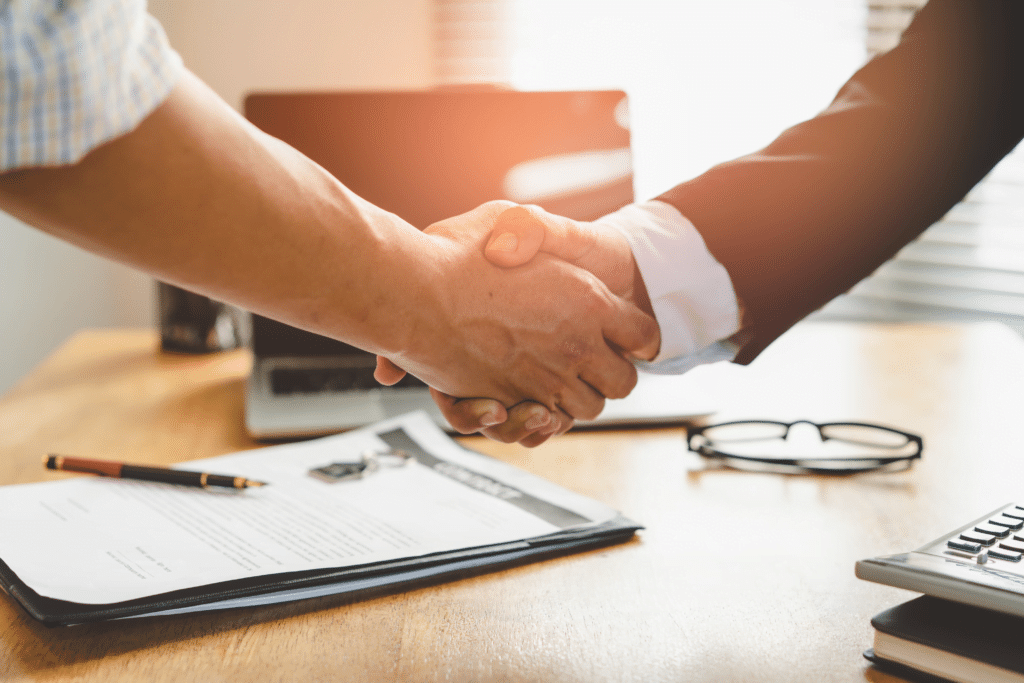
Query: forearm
198	197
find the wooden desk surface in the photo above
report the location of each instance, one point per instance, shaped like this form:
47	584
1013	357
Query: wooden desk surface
738	577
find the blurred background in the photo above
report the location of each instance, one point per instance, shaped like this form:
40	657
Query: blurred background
707	81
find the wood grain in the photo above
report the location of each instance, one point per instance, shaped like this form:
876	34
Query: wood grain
738	577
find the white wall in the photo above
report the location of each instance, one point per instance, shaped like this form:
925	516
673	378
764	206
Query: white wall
241	45
49	289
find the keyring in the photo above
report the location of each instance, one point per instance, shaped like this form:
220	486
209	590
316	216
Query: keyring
369	462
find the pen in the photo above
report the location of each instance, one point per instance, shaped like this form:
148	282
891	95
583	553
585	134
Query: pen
164	475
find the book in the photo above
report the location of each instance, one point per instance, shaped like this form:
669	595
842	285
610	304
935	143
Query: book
92	548
929	639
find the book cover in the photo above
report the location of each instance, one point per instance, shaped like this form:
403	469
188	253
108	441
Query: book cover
951	640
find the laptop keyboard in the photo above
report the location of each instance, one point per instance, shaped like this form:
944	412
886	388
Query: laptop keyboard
285	381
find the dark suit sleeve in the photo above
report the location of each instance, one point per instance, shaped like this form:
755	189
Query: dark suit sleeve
822	206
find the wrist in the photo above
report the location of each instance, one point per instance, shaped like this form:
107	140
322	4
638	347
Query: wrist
690	292
364	277
406	311
412	313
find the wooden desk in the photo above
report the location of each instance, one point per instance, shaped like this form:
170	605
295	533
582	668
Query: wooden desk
738	577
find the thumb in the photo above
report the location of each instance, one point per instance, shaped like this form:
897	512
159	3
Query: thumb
516	237
521	231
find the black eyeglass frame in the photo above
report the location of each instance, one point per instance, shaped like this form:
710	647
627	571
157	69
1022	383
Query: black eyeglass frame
857	464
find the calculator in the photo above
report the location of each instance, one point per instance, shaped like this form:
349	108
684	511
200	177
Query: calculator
981	563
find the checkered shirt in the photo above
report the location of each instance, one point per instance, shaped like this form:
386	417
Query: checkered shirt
75	74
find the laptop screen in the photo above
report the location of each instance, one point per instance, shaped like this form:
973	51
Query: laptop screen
430	155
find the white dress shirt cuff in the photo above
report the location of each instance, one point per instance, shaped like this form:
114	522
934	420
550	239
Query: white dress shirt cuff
692	295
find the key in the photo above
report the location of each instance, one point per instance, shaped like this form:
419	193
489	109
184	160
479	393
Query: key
997	531
1012	545
966	546
981	539
1008	522
1009	555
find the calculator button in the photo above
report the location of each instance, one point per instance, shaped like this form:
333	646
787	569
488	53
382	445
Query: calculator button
997	531
966	546
1010	555
983	539
1015	513
1012	545
1008	522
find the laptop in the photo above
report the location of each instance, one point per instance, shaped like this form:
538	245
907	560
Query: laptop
426	156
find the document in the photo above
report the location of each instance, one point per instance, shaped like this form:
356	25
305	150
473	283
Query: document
98	541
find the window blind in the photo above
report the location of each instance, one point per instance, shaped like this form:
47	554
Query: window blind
471	42
969	265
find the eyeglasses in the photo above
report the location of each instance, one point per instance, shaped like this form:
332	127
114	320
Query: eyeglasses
840	448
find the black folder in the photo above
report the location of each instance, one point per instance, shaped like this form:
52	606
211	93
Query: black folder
576	533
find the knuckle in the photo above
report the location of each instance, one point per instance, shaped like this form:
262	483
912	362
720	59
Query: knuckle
496	207
500	204
622	388
463	429
501	435
591	410
647	327
460	423
534	440
631	381
600	306
549	390
577	349
460	416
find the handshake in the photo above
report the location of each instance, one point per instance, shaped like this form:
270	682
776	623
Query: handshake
532	320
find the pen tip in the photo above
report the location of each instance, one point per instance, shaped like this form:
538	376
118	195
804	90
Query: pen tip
249	483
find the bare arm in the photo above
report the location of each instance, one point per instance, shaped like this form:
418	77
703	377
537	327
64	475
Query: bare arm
199	197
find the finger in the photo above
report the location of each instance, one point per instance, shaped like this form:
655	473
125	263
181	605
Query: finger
581	401
601	369
564	424
524	420
627	327
611	377
386	372
516	237
469	415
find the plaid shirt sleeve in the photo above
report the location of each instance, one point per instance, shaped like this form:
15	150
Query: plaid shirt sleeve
75	74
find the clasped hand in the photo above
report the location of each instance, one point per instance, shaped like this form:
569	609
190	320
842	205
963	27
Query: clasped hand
539	314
